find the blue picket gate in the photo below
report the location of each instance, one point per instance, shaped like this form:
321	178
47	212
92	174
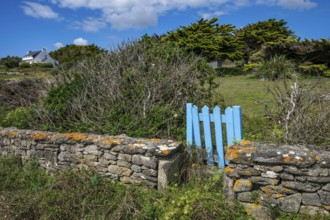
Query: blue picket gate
232	118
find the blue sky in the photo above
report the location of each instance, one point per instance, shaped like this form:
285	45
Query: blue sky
35	24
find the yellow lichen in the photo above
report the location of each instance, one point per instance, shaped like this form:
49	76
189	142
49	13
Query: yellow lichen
155	140
12	134
318	158
245	142
237	183
113	141
75	136
39	136
231	154
165	152
229	170
246	149
287	159
278	195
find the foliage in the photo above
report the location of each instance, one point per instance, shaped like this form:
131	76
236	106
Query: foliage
72	53
306	52
10	61
250	67
313	70
229	71
278	67
27	192
253	36
208	39
25	65
139	89
19	118
42	65
300	114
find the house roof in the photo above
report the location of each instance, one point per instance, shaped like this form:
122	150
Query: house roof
32	53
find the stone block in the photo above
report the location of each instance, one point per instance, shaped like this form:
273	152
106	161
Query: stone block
325	197
290	204
257	211
136	168
124	163
242	185
120	171
228	188
264	181
167	168
150	172
304	187
145	161
126	157
312	210
91	150
312	199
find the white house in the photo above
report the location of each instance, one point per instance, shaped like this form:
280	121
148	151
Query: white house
40	56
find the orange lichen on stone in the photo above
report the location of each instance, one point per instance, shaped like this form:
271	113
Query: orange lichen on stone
113	141
155	140
246	149
237	183
229	170
231	154
235	147
39	136
12	134
165	152
287	159
311	154
245	142
318	158
75	136
278	195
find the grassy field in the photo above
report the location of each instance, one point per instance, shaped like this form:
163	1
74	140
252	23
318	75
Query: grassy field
28	73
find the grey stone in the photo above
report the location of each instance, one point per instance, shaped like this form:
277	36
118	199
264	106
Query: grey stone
319	179
150	172
277	169
247	196
266	200
91	149
260	168
248	171
264	181
126	157
109	156
325	197
242	185
304	187
286	176
293	170
312	210
167	169
228	188
257	211
136	168
301	178
314	172
145	161
124	163
311	199
269	174
326	187
130	180
121	171
290	204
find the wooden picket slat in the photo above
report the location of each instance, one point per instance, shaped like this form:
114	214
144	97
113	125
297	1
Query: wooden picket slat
218	136
196	128
207	135
189	128
229	125
238	123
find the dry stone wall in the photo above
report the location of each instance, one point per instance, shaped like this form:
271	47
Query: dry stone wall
129	160
292	178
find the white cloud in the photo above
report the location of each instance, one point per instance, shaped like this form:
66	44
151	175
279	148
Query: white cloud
80	41
297	4
90	24
58	45
289	4
126	14
37	10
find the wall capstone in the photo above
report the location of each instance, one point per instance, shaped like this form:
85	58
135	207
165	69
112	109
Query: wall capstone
153	162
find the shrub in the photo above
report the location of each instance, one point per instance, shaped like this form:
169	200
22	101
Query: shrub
300	114
25	65
250	67
19	118
275	68
139	89
313	70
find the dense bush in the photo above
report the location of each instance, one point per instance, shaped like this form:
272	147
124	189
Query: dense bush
139	89
25	65
313	69
275	68
300	113
19	118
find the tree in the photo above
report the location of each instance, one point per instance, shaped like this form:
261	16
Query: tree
72	53
255	35
10	61
207	38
